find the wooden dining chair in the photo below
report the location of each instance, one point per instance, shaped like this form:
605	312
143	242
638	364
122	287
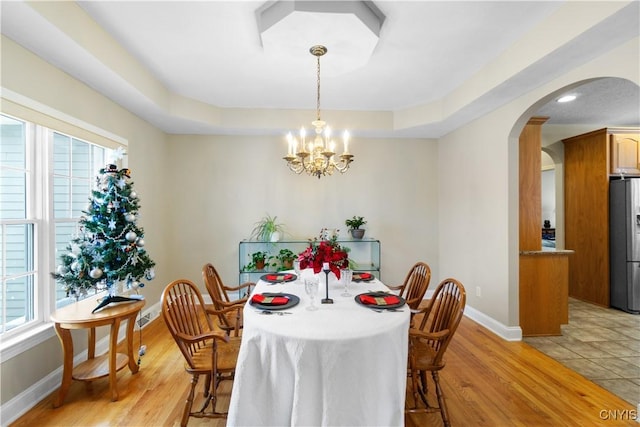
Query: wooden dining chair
415	284
219	293
207	351
429	340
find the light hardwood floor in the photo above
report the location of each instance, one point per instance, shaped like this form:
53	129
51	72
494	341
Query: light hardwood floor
487	382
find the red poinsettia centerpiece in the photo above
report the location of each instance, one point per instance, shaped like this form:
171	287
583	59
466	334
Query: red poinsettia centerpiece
325	251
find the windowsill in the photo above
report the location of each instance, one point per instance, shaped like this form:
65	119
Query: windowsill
19	344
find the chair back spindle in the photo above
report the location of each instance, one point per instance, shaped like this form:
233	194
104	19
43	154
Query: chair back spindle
219	293
416	284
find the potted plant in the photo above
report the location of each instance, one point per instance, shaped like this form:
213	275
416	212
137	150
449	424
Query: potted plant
267	229
354	225
258	261
286	257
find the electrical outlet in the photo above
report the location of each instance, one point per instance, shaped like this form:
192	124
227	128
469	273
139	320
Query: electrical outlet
478	292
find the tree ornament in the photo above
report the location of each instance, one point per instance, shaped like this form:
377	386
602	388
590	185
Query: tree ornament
95	273
75	266
62	269
140	242
133	195
131	236
111	169
130	217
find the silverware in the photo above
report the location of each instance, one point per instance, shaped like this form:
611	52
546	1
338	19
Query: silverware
382	310
279	313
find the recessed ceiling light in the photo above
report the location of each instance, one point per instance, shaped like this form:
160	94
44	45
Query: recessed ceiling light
566	98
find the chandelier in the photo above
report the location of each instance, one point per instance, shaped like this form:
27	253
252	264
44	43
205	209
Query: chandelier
316	157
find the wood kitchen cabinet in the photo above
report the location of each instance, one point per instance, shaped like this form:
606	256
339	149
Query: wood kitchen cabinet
625	154
544	302
588	165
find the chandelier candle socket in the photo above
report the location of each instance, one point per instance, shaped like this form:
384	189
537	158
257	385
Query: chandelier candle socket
317	157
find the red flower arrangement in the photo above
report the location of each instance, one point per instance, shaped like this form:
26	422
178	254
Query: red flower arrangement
325	251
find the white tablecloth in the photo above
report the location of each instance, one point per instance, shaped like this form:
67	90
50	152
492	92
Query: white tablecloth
342	365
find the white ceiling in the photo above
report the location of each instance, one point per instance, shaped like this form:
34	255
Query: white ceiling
212	52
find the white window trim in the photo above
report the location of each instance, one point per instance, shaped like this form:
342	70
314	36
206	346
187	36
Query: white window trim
18	344
44	305
20	102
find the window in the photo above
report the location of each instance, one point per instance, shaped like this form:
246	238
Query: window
17	230
46	178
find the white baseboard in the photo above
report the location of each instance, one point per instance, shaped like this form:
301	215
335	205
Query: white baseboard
26	400
509	333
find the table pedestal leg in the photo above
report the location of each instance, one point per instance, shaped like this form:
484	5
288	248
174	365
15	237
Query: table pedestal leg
113	352
67	372
133	366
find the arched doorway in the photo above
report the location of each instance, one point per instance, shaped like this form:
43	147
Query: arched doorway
554	146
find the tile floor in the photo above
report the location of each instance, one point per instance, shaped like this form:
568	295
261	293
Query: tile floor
601	344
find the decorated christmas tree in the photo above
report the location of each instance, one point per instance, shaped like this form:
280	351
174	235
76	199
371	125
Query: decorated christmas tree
108	251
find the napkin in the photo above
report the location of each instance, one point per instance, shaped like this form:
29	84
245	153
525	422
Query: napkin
379	300
279	277
269	300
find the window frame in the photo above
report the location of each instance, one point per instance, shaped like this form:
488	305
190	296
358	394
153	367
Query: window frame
40	209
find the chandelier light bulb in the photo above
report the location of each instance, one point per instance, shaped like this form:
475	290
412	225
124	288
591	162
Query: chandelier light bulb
345	138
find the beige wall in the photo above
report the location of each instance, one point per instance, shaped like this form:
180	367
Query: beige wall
478	209
24	73
222	185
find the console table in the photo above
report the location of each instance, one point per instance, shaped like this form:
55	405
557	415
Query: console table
79	316
364	253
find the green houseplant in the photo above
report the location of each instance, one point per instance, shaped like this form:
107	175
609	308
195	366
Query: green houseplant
286	257
267	229
258	261
354	225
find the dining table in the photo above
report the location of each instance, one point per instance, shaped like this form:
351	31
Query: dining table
344	364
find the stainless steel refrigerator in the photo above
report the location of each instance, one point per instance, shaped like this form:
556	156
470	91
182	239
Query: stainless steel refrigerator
624	220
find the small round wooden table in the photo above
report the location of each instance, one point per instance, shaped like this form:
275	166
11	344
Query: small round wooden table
79	316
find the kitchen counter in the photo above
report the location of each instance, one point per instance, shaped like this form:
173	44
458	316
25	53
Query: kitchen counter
544	291
549	252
